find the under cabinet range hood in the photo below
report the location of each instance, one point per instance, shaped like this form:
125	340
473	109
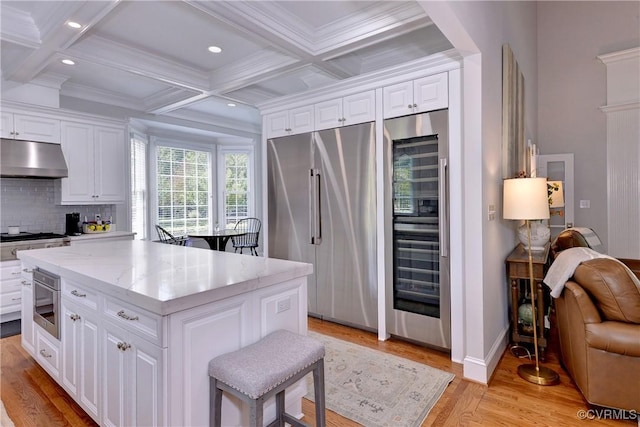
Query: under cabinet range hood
31	159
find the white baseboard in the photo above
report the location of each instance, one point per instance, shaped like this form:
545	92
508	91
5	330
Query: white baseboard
480	370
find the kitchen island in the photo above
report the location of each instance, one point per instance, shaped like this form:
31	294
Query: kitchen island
139	322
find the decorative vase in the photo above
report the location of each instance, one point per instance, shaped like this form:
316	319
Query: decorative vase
540	234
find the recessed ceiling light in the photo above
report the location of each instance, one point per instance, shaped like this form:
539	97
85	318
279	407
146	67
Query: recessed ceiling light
68	62
215	49
74	25
231	104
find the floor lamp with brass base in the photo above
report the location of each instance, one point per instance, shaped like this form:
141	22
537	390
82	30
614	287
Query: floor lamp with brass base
526	199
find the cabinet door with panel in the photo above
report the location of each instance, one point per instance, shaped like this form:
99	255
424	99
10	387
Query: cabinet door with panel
417	96
96	161
132	379
289	122
110	163
80	356
350	110
32	128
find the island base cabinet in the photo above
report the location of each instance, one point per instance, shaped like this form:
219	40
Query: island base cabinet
27	332
132	379
199	334
80	361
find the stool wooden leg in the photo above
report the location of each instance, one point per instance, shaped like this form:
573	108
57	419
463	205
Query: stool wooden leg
215	404
318	389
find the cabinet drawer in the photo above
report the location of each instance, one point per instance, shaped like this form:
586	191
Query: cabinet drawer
80	295
9	286
9	270
134	319
11	301
48	352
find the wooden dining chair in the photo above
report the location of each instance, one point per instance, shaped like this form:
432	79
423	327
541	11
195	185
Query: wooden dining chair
250	240
170	239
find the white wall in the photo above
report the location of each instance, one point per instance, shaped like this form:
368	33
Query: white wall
572	87
479	29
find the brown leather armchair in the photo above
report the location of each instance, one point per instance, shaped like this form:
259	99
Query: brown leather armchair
598	320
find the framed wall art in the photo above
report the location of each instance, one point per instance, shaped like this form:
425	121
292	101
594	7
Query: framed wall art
514	151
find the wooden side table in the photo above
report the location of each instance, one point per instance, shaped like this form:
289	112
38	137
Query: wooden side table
518	274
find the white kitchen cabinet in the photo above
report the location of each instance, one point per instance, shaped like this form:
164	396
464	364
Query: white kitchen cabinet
132	379
10	290
47	352
289	122
96	160
417	96
27	332
81	356
33	128
350	110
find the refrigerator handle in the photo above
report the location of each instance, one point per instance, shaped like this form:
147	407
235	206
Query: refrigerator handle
312	208
315	219
318	211
442	205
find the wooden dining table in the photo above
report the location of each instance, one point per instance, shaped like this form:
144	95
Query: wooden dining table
217	240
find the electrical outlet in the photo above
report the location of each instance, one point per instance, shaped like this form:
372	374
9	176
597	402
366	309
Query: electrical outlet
283	305
491	212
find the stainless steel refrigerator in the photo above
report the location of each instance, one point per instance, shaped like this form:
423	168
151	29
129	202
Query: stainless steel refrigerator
321	204
416	154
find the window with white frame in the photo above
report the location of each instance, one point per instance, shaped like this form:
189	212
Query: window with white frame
183	188
139	186
235	169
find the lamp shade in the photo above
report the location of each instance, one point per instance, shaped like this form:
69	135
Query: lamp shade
525	199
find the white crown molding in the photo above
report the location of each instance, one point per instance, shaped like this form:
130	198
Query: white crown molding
126	58
58	113
620	107
51	80
168	96
439	62
621	55
19	28
51	17
88	93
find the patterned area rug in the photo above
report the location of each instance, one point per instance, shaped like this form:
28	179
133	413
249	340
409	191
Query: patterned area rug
375	388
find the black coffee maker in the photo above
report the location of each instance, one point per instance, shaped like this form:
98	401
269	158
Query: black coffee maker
73	227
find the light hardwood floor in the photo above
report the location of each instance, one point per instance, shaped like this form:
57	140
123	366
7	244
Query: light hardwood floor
32	398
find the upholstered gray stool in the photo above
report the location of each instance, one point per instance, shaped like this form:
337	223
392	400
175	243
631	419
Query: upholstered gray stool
258	371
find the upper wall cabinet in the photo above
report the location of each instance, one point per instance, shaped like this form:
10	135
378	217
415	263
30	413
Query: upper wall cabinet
350	110
417	96
96	160
32	128
289	122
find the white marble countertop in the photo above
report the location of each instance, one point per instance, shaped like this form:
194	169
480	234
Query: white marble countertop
163	278
111	234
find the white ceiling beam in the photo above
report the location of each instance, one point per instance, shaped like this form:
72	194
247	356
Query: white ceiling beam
58	38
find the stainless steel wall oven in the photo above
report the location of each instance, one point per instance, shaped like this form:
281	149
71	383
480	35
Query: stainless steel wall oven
46	301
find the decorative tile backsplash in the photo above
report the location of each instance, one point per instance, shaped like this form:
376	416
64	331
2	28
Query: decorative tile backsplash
30	204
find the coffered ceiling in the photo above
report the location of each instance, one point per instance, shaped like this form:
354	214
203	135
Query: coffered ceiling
152	58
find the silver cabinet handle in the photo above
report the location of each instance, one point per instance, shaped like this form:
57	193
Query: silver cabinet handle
26	270
74	317
123	346
25	283
442	205
315	218
44	353
125	316
16	299
75	293
415	105
16	273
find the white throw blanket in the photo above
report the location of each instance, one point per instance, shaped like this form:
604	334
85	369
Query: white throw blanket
565	264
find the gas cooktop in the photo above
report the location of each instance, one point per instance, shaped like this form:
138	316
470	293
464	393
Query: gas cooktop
6	237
